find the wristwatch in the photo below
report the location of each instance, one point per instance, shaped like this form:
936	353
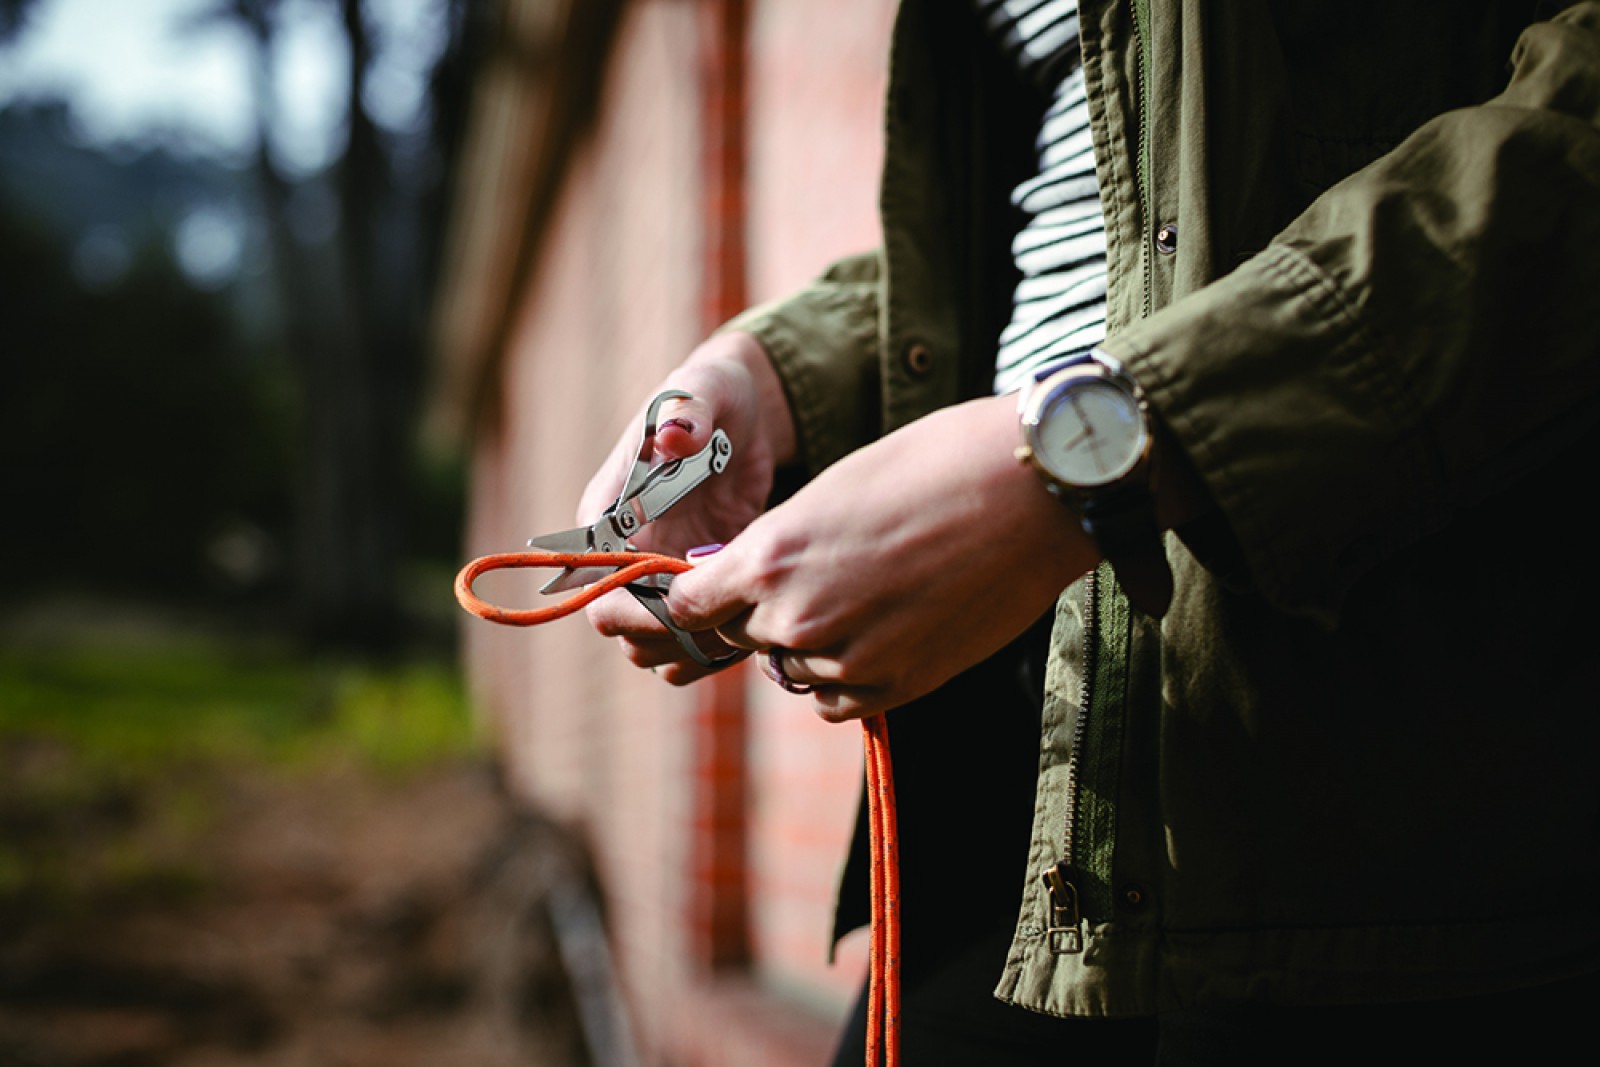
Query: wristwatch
1086	430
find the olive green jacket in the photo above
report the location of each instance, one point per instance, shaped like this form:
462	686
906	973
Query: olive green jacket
1355	761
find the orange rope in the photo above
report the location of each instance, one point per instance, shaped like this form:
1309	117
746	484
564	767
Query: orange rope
631	567
883	964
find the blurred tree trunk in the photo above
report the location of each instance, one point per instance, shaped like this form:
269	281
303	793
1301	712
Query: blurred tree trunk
12	15
353	322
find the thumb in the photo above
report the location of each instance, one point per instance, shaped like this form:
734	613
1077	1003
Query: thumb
707	596
683	427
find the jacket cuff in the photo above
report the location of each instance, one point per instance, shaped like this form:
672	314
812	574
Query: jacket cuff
1291	415
823	341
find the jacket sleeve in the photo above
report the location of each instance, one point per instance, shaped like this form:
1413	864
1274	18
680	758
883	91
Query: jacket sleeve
823	341
1425	331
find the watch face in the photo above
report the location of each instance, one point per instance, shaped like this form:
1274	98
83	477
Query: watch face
1090	433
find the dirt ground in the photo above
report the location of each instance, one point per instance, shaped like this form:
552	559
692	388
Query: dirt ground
328	917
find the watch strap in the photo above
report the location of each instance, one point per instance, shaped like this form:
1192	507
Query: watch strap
1123	526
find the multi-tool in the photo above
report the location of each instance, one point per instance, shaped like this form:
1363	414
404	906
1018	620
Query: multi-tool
647	493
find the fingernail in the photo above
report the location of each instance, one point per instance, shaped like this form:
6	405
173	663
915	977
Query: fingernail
681	423
702	551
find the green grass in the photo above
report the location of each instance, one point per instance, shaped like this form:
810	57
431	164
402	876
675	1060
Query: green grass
111	756
146	709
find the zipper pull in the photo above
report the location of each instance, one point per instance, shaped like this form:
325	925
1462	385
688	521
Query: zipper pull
1065	934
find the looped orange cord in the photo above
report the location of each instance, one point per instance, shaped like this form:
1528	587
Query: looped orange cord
883	964
631	567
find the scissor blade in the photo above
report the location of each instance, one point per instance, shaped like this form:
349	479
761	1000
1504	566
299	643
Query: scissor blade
578	539
574	578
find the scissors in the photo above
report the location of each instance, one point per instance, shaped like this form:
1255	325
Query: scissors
647	494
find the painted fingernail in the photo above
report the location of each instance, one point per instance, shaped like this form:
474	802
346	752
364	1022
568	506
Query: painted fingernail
681	423
702	551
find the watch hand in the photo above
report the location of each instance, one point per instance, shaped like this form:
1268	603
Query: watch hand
1077	405
1094	450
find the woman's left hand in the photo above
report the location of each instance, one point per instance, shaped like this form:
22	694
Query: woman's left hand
898	567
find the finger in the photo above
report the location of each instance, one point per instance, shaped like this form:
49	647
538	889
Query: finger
618	614
711	595
685	672
841	703
711	646
735	633
653	652
666	651
803	668
683	427
669	659
716	649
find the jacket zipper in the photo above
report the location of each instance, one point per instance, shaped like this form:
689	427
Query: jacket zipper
1141	39
1064	932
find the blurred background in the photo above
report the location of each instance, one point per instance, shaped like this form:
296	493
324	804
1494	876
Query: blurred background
218	274
302	303
228	688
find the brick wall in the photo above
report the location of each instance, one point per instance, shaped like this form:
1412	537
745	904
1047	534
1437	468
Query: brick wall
716	815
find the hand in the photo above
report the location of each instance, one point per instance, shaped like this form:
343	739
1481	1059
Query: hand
898	567
735	389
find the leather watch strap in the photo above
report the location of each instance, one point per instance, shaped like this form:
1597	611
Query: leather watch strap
1123	526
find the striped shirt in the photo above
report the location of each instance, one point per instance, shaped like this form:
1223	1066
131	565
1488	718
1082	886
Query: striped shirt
1059	308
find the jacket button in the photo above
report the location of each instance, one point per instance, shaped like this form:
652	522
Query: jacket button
1167	238
919	360
1133	896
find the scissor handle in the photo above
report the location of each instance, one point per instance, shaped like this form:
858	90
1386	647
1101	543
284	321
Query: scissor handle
639	470
631	566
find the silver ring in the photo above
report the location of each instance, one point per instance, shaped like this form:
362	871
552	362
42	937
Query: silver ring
776	672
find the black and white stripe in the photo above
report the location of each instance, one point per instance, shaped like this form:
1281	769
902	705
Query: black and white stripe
1039	36
1059	308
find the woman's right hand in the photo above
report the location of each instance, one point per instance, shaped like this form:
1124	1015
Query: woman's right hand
734	388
